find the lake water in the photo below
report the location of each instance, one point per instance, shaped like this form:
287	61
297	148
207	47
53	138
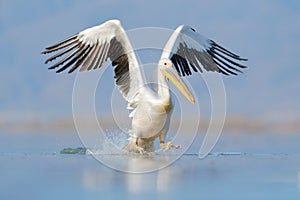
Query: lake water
241	166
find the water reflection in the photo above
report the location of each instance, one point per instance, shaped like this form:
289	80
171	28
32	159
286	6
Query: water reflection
152	181
135	183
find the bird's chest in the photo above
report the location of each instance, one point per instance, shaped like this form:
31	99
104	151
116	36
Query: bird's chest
154	109
150	119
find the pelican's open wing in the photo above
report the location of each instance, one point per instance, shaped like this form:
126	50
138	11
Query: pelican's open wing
91	48
189	50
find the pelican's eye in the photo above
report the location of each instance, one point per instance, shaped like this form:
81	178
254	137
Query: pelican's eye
165	63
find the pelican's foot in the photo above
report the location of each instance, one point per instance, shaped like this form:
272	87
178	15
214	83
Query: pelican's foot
168	145
133	147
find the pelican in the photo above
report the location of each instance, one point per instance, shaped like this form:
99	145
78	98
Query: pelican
185	52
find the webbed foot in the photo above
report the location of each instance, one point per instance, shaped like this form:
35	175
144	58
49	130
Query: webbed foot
133	147
167	145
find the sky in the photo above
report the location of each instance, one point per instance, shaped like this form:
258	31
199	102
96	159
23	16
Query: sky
266	32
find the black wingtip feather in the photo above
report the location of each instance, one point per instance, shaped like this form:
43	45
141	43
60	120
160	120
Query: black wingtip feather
61	53
62	42
86	49
216	58
225	51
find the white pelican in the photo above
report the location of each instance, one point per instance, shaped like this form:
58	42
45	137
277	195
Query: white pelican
185	51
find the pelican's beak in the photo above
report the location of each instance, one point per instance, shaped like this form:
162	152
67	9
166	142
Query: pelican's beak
173	76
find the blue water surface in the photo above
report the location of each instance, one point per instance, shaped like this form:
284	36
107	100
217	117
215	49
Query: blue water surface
241	166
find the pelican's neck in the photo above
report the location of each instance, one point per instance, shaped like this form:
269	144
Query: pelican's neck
163	87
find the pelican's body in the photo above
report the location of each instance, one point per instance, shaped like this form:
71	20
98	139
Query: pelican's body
151	111
151	117
150	120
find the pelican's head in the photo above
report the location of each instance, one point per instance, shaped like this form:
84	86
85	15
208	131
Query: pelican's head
168	72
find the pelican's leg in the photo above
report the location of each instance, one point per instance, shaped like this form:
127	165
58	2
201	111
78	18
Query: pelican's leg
132	146
146	144
166	145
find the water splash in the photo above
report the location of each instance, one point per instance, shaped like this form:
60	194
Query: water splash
112	143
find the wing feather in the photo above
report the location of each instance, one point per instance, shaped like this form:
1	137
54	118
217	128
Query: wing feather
90	57
189	51
61	53
77	52
84	52
91	48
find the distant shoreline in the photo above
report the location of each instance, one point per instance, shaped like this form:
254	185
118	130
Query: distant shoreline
232	123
